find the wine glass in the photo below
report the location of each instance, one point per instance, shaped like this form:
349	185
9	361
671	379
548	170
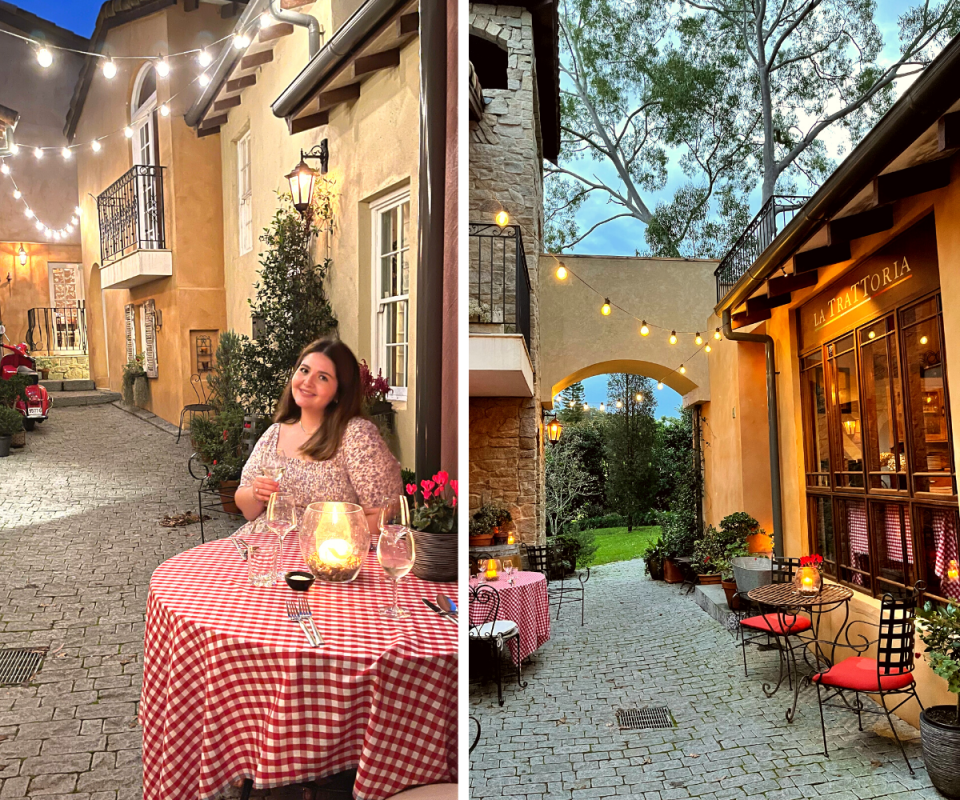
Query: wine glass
396	553
281	519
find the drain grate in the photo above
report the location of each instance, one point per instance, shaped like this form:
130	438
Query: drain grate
20	665
638	719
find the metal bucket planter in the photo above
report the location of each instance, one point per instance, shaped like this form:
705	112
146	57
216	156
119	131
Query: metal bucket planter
751	572
941	748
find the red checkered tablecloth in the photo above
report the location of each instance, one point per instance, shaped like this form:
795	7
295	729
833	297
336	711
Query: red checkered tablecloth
525	603
232	690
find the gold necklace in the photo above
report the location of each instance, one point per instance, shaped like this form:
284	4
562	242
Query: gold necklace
300	422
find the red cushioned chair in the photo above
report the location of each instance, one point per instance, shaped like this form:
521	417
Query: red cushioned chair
780	627
890	673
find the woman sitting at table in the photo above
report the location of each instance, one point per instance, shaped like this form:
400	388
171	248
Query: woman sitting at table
327	450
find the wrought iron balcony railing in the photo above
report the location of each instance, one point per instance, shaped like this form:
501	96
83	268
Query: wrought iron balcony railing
499	280
131	213
53	331
770	220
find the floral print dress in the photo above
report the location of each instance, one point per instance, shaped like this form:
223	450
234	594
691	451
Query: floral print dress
362	471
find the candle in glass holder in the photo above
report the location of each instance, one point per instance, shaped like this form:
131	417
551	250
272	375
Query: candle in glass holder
491	571
510	539
953	573
334	552
807	580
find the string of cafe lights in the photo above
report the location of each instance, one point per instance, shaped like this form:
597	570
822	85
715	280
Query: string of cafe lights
108	66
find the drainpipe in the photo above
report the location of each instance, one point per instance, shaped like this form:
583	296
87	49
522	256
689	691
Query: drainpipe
773	422
698	461
302	20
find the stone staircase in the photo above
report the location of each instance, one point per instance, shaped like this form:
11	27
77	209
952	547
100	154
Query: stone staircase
77	392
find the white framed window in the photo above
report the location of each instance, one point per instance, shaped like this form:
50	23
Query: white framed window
391	290
245	194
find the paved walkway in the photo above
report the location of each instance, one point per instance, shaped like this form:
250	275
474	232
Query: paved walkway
79	539
646	644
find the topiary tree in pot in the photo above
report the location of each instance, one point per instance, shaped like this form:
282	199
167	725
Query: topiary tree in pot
940	725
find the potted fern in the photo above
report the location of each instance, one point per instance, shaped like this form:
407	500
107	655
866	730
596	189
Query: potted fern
940	725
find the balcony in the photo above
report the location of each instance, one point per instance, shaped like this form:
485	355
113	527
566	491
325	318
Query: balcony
499	293
57	331
132	237
770	220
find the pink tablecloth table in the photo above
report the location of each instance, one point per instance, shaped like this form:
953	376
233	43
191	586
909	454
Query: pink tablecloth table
232	690
525	603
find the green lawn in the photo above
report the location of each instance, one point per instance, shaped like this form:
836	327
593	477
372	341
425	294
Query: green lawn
615	544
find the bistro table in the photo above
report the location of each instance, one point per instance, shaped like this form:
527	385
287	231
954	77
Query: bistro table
232	690
787	602
526	603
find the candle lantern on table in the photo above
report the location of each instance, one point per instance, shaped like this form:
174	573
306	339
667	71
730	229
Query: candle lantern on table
807	579
953	572
334	538
492	569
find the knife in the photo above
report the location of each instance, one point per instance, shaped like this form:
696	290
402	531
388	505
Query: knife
452	620
306	632
242	546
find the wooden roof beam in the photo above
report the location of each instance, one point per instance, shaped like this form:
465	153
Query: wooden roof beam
859	225
276	31
241	83
742	320
227	102
821	257
256	59
408	23
201	132
791	283
214	122
910	181
308	122
755	305
337	96
385	60
948	132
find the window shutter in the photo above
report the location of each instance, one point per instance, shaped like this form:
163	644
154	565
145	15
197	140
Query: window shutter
150	339
131	322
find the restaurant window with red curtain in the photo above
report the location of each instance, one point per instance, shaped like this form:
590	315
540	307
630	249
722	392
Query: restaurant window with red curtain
881	489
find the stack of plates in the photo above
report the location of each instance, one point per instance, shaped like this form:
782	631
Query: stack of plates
436	556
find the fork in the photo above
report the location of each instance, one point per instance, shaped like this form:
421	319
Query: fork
294	615
242	547
303	607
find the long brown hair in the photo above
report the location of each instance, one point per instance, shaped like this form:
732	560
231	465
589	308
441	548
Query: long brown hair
342	408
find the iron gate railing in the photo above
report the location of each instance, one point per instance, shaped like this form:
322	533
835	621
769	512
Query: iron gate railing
131	213
772	218
499	280
51	331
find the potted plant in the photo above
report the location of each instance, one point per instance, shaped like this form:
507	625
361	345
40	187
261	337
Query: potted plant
13	389
940	725
434	518
707	557
679	532
653	557
375	390
11	421
133	371
219	443
481	527
499	515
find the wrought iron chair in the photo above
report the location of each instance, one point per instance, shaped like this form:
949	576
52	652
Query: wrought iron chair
485	606
780	627
546	560
202	406
890	673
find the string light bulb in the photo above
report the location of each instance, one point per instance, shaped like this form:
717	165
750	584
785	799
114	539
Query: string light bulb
162	67
39	225
14	149
605	308
204	79
562	273
683	370
602	408
44	57
639	397
502	219
673	337
716	334
38	153
698	339
619	404
128	132
660	385
164	110
109	69
4	168
241	41
644	330
17	194
266	19
923	340
96	146
586	406
69	228
28	213
707	348
66	153
74	221
205	58
76	210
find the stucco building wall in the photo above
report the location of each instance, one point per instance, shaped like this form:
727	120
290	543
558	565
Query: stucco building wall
192	298
374	151
505	173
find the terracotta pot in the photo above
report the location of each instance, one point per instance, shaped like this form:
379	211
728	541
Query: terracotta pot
481	541
671	572
709	580
730	590
228	490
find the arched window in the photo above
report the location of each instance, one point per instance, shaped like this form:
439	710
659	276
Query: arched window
143	108
489	62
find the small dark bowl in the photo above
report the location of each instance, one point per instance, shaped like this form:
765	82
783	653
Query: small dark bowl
299	581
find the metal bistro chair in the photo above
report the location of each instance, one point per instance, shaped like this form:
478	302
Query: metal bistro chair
485	605
544	559
202	406
890	673
780	626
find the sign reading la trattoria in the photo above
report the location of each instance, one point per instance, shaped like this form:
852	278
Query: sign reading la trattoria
905	267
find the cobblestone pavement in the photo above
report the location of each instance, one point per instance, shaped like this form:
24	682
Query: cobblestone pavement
79	539
646	644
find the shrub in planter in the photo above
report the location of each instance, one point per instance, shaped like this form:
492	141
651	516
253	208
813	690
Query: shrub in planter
11	422
575	549
131	371
940	725
653	557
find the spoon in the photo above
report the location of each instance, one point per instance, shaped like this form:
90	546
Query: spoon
447	604
451	618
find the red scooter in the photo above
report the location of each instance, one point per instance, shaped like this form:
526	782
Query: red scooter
17	362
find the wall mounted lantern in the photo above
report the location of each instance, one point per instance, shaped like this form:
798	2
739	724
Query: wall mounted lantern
554	430
22	256
303	177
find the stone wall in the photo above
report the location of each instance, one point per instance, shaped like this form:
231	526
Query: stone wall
506	173
65	367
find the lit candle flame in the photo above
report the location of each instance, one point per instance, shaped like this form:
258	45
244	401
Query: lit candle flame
334	551
953	573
